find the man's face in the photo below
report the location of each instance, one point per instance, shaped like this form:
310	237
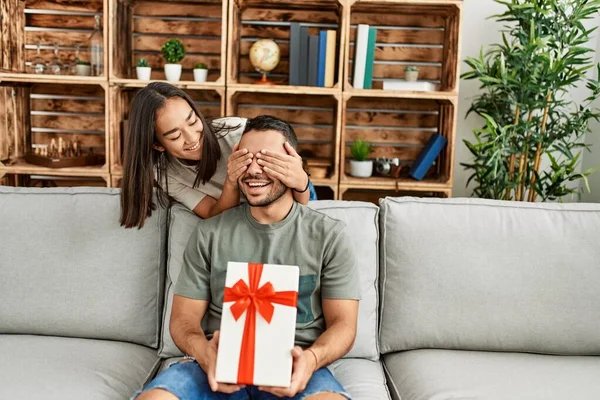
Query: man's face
261	190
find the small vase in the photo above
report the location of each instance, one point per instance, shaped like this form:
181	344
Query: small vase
361	169
82	70
173	72
411	76
143	73
200	75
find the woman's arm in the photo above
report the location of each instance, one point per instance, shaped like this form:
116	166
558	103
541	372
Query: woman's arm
288	169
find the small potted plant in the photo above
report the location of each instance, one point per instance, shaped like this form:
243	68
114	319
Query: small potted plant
173	52
83	68
143	70
361	166
200	72
411	73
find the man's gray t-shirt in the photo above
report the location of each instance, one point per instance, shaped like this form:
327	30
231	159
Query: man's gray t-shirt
318	244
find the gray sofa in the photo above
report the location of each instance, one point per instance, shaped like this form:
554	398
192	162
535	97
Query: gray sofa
461	299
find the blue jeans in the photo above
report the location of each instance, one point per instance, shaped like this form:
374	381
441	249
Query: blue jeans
188	381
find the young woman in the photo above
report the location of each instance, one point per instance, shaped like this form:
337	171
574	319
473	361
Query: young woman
171	146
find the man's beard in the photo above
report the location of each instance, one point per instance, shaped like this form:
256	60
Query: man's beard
277	191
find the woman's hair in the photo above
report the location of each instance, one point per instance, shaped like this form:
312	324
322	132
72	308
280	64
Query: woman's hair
143	165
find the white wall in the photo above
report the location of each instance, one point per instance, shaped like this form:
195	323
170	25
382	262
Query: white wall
478	31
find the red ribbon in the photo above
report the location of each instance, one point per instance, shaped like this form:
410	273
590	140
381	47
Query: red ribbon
254	300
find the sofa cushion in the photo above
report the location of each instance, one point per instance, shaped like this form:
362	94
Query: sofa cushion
363	379
362	220
490	275
451	374
69	269
43	367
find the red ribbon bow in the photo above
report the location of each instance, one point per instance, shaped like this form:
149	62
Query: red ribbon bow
254	299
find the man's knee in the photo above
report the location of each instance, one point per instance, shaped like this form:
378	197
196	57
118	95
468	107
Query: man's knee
326	396
156	394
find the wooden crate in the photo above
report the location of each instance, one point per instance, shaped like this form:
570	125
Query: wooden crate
253	20
373	196
398	128
35	113
47	181
421	34
211	104
315	119
142	27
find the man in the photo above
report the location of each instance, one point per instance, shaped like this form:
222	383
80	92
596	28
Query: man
270	228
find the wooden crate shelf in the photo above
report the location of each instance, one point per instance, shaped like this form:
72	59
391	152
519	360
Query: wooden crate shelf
62	80
355	193
252	20
35	113
315	119
210	102
420	33
39	180
142	27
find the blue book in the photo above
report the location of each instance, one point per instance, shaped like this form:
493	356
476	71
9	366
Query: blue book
322	55
295	54
425	160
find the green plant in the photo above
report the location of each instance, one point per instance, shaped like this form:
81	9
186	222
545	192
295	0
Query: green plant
360	150
173	51
200	66
81	62
526	103
142	62
411	68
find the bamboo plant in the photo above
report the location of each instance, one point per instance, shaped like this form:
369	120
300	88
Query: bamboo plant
533	138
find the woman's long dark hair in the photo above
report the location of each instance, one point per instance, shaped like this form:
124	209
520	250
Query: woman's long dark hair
141	161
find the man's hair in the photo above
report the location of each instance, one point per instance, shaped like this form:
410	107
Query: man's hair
270	123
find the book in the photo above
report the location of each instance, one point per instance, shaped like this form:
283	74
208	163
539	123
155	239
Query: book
427	156
294	75
330	56
321	63
313	59
360	56
401	84
303	61
371	46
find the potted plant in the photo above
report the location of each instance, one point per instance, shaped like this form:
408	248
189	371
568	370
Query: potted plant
200	72
411	73
173	52
143	70
83	68
360	166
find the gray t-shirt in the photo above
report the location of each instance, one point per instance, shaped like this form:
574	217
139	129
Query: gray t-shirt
318	244
181	177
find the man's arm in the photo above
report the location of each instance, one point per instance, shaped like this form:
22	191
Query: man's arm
186	317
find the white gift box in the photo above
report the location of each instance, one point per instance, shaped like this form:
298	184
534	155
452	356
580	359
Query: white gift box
265	291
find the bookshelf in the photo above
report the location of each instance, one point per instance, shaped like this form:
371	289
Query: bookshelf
219	33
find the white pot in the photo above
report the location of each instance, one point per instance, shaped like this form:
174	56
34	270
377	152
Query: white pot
173	72
200	75
143	73
361	169
411	76
83	70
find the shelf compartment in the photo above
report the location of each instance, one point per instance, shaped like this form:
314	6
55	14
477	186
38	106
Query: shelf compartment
373	196
142	27
425	35
253	20
313	117
398	128
211	104
36	113
45	181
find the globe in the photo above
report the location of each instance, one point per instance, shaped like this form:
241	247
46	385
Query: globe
264	56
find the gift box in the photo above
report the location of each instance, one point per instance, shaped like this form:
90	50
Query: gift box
258	324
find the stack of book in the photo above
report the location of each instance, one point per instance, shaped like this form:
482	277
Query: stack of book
364	57
312	57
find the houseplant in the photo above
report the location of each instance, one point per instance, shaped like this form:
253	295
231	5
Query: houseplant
200	72
82	68
143	70
411	73
361	166
531	144
173	52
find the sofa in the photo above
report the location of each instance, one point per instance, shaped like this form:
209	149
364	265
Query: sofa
461	298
